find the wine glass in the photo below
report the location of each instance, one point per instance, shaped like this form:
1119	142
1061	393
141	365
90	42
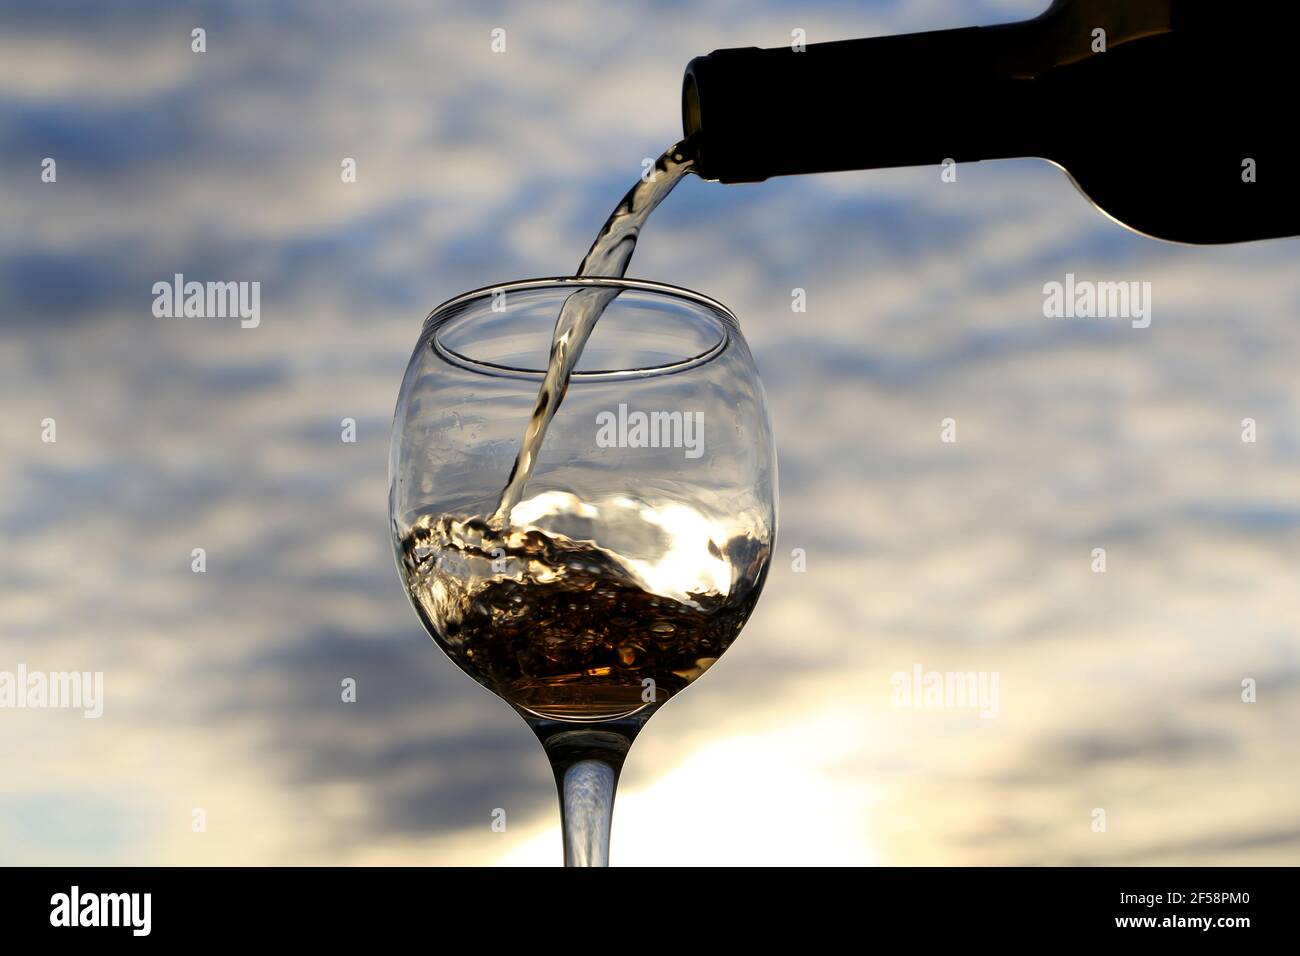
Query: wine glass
640	544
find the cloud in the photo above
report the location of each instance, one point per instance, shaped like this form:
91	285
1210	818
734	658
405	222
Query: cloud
924	302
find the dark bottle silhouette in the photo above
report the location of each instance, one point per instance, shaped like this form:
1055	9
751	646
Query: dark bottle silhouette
1176	119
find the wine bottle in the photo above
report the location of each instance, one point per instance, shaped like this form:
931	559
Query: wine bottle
1173	116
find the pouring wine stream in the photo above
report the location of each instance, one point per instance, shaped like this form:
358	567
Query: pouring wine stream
608	256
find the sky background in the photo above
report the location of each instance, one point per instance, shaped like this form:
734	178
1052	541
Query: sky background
1119	691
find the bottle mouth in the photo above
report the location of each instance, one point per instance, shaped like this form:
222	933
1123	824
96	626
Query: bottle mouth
692	120
648	329
738	145
693	117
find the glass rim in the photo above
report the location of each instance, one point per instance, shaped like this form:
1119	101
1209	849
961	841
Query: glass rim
727	318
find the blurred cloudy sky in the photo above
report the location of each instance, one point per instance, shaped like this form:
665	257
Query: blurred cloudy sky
1119	691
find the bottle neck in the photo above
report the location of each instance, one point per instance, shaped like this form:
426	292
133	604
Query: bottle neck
855	104
911	100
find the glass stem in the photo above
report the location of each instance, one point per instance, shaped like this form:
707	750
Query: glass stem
586	811
587	761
